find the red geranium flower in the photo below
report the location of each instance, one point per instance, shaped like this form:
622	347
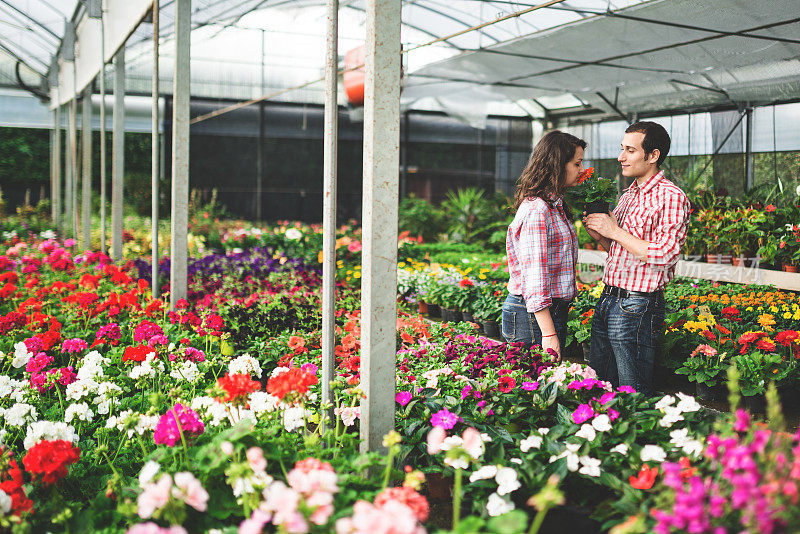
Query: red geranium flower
292	383
11	483
770	208
50	459
645	479
137	354
506	383
466	282
237	387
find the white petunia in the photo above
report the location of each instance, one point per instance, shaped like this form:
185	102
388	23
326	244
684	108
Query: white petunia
666	400
506	479
80	411
531	442
496	505
586	432
653	453
589	466
602	423
484	473
622	449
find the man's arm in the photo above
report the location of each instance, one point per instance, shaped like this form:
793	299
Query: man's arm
604	241
605	225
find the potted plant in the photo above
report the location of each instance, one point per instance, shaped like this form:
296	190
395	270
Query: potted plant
488	308
706	367
755	368
594	193
447	293
465	298
789	248
743	226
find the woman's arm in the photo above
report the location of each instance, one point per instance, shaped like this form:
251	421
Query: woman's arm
549	339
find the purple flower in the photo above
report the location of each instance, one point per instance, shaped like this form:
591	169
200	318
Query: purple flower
607	397
530	386
444	419
613	414
466	391
583	413
403	397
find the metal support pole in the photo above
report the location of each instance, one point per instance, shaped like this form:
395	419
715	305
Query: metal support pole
180	153
55	192
118	155
261	131
103	210
404	154
86	146
748	157
380	211
329	201
155	163
67	207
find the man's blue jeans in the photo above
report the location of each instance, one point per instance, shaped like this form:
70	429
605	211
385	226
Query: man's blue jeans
626	332
521	326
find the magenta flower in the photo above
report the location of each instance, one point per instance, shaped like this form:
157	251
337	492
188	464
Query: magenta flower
607	397
742	421
403	397
444	419
530	386
309	367
179	419
582	414
73	345
626	389
613	414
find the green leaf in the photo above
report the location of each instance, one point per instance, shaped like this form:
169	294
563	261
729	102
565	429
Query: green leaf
513	522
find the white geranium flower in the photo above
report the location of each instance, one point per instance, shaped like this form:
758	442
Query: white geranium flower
186	371
653	453
92	366
5	503
48	431
586	432
261	401
19	414
602	423
245	365
622	449
531	442
21	355
148	472
589	466
293	234
80	411
496	505
506	479
665	401
484	473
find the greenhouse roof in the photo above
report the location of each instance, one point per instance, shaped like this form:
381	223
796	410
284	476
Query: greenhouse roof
554	60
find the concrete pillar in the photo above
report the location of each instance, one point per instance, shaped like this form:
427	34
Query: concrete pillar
380	211
67	227
118	155
329	201
55	191
103	164
179	246
86	146
155	163
74	167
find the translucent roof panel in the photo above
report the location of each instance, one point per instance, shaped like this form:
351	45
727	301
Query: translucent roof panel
31	30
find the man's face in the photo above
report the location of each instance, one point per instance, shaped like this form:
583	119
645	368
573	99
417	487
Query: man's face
632	157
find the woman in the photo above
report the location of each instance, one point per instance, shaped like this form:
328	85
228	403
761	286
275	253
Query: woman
542	245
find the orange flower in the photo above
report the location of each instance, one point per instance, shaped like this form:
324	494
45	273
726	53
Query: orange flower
582	177
645	479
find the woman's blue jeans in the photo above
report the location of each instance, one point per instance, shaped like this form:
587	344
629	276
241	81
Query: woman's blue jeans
626	333
521	326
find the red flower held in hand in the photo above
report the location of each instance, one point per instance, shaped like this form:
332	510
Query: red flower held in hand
585	175
237	387
645	479
50	459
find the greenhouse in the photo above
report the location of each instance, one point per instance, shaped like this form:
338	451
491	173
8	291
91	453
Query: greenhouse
376	267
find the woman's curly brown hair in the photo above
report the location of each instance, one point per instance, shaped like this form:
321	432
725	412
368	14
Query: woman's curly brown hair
545	174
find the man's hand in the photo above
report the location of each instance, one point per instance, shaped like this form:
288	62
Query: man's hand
603	224
551	342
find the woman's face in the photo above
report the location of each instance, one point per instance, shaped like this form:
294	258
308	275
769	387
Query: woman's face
574	168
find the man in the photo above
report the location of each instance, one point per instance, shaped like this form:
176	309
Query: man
643	237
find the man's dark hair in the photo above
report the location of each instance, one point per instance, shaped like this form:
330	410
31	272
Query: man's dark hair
655	137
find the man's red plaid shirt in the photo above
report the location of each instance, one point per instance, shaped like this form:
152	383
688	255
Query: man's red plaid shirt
542	249
657	212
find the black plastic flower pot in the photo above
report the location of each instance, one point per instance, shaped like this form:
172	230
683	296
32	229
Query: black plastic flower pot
451	316
468	317
709	393
598	206
755	403
434	310
491	328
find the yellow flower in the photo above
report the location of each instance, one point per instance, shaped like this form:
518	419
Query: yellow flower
356	274
766	320
749	308
482	276
787	315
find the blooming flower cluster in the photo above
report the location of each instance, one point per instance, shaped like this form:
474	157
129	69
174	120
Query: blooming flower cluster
179	423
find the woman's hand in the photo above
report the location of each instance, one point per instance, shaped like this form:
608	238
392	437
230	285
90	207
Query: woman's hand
551	342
